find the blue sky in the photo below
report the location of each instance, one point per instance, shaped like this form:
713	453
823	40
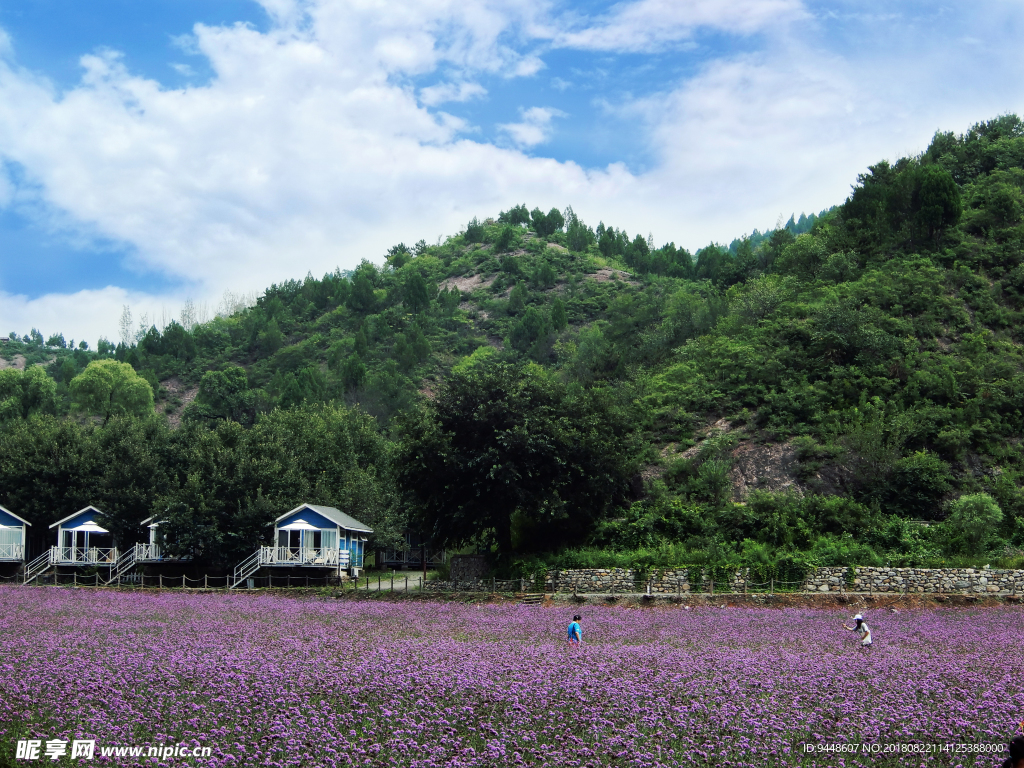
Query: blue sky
152	152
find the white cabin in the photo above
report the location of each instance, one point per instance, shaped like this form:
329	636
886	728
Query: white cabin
150	552
311	536
13	533
82	541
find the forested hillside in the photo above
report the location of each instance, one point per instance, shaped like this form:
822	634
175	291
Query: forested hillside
844	389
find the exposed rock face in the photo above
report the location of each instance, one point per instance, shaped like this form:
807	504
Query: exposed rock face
176	388
763	468
466	284
18	361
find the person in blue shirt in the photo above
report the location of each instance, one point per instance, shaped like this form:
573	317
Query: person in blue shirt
575	631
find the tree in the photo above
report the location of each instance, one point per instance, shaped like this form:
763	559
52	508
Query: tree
559	318
398	256
362	299
415	292
507	237
126	326
578	235
938	200
517	299
516	216
225	395
972	525
761	296
25	393
474	231
547	224
270	338
507	455
108	388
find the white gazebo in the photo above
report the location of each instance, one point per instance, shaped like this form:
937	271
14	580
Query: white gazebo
13	531
311	536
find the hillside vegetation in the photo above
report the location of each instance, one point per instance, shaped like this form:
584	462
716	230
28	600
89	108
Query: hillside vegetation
844	389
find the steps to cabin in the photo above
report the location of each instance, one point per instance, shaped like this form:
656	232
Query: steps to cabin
246	568
38	567
124	564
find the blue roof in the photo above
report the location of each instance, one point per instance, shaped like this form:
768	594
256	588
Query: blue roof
10	519
79	517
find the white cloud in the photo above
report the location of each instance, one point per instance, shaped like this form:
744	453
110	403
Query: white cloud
647	25
309	148
535	127
84	315
183	69
442	93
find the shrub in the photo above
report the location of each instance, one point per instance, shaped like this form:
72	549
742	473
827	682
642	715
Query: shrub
972	525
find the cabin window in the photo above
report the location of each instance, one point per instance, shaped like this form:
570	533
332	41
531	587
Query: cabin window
10	536
329	539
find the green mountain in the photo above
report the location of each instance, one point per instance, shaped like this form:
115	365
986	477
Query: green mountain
825	390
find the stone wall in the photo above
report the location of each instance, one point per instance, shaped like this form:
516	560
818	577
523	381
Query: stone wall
624	581
477	585
619	580
593	580
948	580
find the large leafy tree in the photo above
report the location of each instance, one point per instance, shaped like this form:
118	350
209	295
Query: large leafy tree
24	393
108	388
508	455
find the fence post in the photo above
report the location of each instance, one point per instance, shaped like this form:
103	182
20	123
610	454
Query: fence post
206	581
392	581
771	589
407	583
492	585
97	580
161	581
183	581
74	578
712	586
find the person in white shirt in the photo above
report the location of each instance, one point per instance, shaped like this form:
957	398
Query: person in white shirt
860	626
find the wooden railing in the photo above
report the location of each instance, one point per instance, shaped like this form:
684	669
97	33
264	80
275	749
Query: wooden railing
147	552
12	552
409	559
329	558
81	556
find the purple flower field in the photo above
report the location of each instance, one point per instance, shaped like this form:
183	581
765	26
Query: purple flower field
276	681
